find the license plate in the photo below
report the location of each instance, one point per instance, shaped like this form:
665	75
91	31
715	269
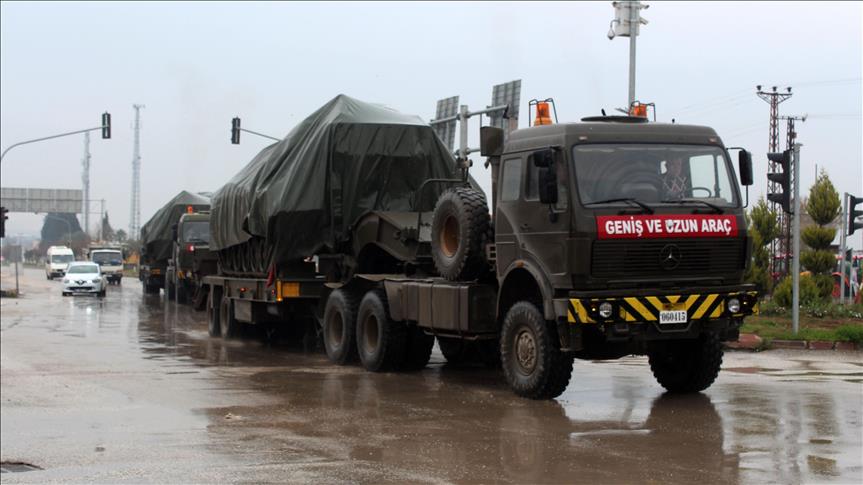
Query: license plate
672	316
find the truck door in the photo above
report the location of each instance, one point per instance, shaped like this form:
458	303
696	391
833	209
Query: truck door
526	228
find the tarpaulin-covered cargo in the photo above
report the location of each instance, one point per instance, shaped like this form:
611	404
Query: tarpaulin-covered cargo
156	234
303	193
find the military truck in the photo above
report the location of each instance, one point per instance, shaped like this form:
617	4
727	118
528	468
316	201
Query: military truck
191	260
608	237
157	239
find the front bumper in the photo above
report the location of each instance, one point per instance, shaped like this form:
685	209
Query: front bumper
85	287
640	307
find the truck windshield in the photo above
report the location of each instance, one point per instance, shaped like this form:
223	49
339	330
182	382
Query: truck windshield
62	258
107	257
196	232
653	174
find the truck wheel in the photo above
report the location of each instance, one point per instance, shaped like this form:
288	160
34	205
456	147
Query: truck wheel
459	232
419	347
532	362
340	315
453	349
687	365
213	306
200	300
228	324
381	342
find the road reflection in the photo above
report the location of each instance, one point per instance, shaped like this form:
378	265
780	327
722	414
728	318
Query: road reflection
614	425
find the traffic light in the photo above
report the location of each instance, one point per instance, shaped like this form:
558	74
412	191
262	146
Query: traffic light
853	214
235	131
783	178
3	218
106	125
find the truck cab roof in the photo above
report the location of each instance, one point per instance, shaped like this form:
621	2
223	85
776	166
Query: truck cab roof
567	134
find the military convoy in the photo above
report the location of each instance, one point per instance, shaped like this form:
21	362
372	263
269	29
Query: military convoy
604	238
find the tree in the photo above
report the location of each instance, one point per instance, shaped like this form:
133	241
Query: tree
107	233
763	229
120	236
823	206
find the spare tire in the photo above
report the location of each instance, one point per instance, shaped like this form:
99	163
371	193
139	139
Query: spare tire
460	228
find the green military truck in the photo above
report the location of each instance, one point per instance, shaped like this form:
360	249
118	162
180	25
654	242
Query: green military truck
191	260
606	238
157	239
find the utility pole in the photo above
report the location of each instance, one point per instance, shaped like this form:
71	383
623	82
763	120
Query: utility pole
627	23
135	206
795	261
779	246
85	180
791	138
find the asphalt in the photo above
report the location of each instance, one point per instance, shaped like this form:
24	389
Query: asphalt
129	389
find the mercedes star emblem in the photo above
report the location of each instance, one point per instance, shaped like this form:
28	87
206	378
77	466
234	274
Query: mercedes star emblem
669	257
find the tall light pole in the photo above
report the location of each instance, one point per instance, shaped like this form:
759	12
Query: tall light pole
627	23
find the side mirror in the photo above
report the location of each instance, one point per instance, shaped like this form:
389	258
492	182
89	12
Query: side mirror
744	161
547	185
490	141
543	158
174	232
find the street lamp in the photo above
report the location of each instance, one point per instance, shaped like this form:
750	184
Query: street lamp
627	22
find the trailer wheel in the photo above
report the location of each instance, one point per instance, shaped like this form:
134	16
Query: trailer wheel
339	327
459	233
532	362
381	342
453	349
419	347
213	306
228	324
687	366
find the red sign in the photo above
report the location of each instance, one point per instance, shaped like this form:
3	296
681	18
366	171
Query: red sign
666	226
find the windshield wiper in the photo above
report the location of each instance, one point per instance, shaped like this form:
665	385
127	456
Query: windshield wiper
629	200
716	208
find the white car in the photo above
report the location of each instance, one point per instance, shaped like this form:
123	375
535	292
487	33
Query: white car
84	277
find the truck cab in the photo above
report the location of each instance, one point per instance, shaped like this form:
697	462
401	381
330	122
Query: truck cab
110	261
191	259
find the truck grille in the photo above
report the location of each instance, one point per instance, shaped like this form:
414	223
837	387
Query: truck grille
648	258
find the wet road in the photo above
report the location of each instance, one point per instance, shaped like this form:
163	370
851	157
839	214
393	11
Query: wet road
128	390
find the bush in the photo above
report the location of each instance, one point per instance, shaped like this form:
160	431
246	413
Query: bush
810	293
851	333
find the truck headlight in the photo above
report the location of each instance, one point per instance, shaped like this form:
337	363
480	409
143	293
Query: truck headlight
605	309
733	305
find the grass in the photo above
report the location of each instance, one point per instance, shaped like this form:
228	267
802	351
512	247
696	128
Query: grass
779	328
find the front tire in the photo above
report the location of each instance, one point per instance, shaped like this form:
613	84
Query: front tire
687	366
339	327
381	342
532	361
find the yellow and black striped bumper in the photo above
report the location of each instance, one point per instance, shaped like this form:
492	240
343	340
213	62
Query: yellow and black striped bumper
645	309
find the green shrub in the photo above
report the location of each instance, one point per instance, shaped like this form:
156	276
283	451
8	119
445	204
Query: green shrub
810	294
851	333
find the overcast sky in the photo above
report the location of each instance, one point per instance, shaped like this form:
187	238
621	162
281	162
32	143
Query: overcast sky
196	65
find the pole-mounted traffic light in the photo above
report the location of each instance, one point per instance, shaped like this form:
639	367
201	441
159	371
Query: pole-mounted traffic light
3	218
235	131
106	125
782	178
853	214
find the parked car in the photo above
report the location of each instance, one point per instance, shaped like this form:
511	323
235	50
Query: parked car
84	277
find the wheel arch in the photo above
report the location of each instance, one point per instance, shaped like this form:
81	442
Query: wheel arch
524	281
